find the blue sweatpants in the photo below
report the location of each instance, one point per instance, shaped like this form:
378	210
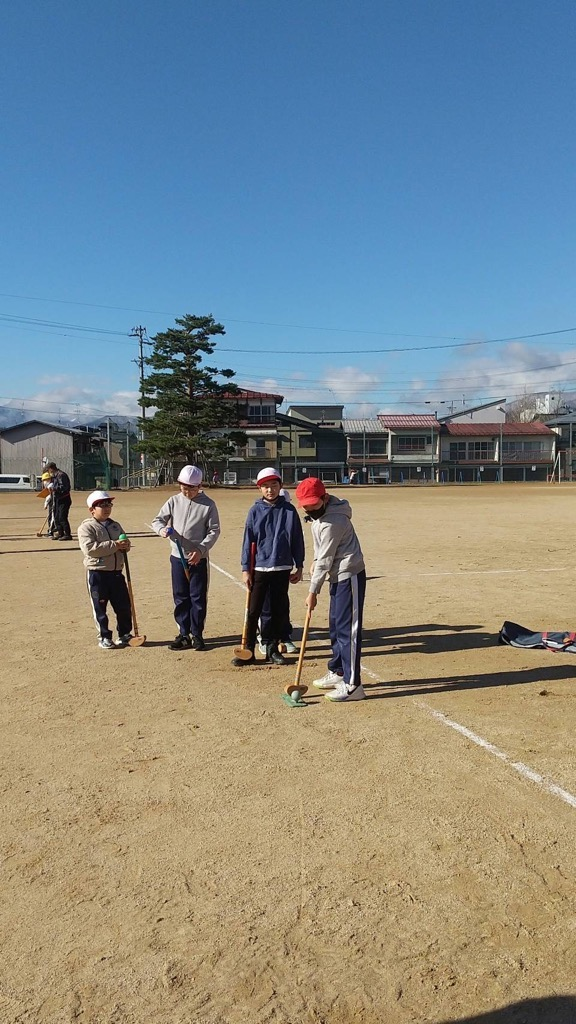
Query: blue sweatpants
346	607
190	598
104	587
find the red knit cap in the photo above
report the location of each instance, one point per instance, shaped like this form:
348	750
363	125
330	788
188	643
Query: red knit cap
309	490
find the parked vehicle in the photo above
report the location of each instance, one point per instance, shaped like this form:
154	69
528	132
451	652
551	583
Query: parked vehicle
16	482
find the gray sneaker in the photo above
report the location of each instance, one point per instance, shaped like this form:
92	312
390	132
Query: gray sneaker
123	641
290	648
106	644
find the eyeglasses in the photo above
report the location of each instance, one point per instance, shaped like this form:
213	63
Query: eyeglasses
102	504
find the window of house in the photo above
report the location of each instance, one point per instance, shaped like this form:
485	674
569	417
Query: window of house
480	450
457	450
306	441
414	443
356	446
260	413
377	446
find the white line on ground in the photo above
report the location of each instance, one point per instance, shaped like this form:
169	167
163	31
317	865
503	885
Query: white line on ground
465	572
528	773
229	575
523	769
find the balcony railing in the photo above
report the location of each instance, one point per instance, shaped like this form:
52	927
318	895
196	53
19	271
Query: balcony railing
253	453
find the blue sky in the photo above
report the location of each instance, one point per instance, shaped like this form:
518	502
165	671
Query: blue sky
329	179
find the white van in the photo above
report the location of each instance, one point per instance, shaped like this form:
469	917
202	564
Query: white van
15	482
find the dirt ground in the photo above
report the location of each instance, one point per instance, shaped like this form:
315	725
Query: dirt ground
177	845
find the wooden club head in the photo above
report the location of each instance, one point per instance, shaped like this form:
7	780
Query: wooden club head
137	641
293	690
243	653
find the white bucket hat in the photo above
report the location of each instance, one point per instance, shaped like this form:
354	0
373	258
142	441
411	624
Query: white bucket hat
190	475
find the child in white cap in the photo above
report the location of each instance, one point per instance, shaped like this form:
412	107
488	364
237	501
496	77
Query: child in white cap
190	518
274	526
98	537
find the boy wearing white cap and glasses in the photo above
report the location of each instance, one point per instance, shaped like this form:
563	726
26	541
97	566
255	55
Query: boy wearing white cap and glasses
103	552
190	518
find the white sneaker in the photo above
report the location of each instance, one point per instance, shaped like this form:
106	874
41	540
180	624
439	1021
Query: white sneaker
106	644
290	648
262	647
342	693
327	681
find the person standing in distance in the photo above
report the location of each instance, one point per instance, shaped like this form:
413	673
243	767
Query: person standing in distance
61	501
99	540
338	555
191	519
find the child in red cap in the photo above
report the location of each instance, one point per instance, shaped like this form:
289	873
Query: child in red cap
337	554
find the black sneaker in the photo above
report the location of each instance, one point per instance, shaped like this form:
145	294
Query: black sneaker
198	643
273	655
181	643
239	662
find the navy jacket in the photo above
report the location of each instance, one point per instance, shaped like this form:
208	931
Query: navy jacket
277	531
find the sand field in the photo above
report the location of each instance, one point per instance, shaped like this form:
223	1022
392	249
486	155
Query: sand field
177	845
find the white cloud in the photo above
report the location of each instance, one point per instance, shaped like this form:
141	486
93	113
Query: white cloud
64	397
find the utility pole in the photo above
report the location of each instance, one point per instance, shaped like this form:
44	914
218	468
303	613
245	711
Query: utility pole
108	472
128	454
140	333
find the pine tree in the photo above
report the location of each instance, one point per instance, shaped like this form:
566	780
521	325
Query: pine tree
191	423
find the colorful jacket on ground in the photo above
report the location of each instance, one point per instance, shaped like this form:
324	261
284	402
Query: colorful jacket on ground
195	522
277	531
96	542
337	551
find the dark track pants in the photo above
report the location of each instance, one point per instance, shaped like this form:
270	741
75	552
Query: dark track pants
61	508
346	608
277	626
104	587
190	598
265	621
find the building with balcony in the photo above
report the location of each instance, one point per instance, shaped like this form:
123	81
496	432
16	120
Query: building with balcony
310	445
256	413
506	452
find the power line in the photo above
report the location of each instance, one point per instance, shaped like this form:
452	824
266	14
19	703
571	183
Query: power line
455	341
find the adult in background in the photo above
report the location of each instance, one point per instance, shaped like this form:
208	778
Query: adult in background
62	501
337	554
191	520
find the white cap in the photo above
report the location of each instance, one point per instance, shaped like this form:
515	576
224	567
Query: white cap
265	475
98	496
191	476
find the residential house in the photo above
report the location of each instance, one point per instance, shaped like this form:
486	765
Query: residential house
311	443
79	451
507	452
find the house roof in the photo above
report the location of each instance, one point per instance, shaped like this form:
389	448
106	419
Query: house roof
467	410
45	423
492	429
244	393
362	427
408	421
